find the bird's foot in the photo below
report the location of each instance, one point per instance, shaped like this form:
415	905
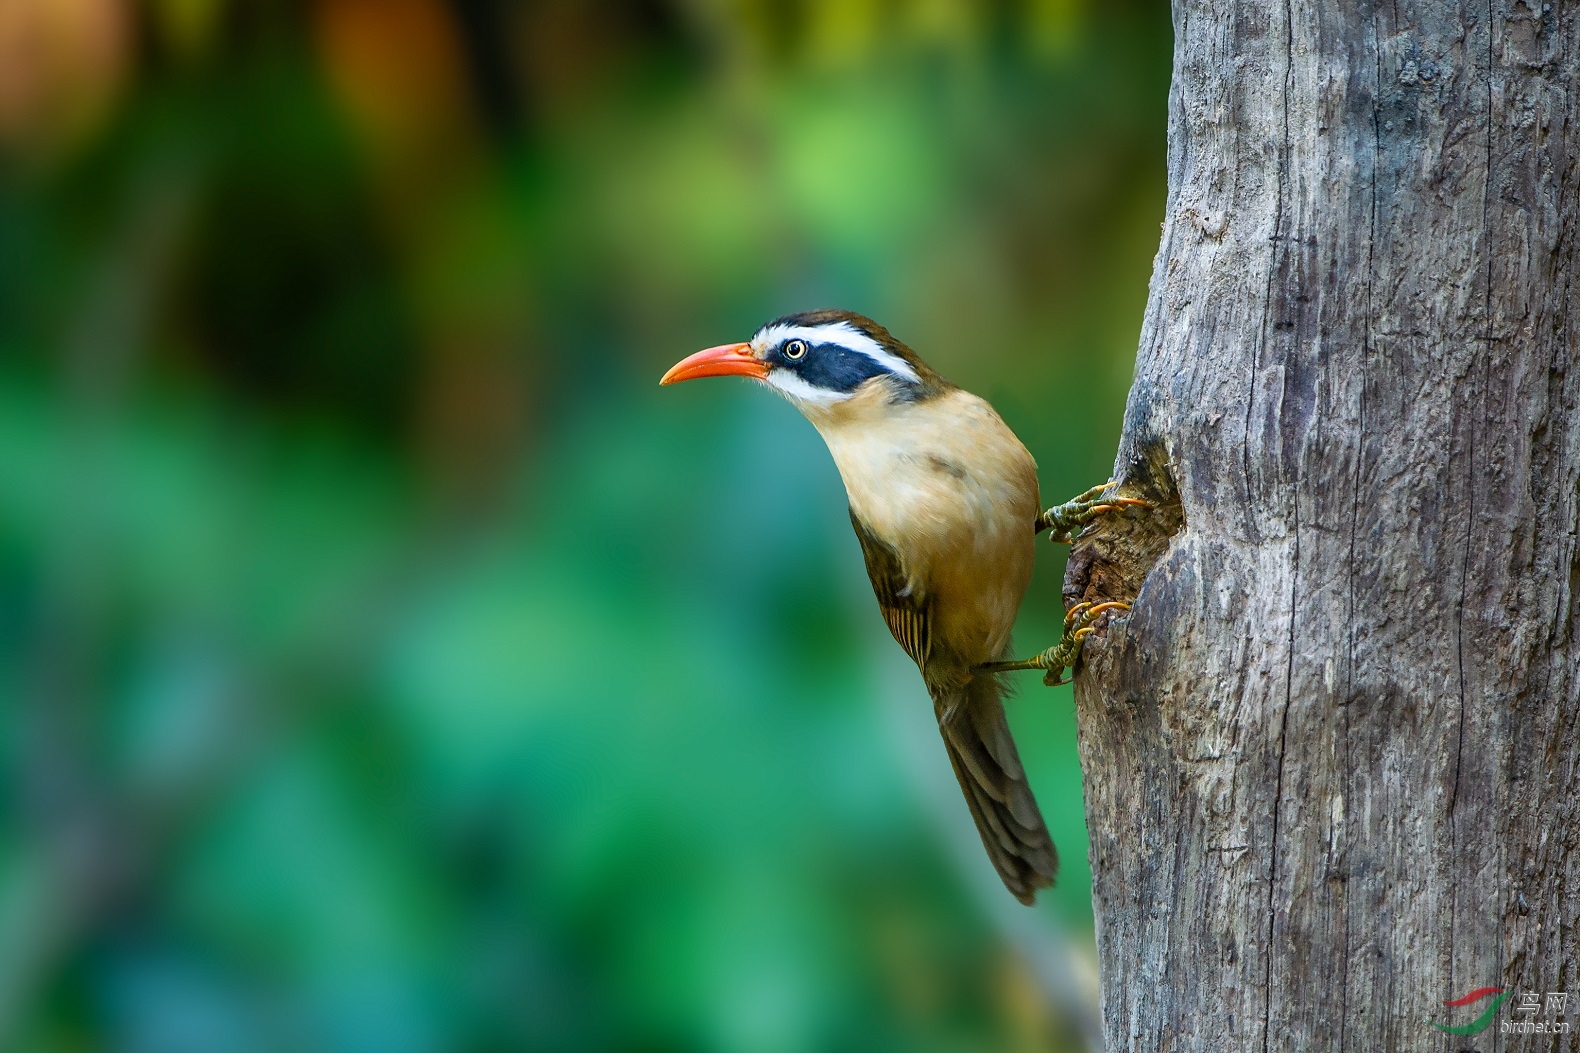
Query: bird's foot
1079	623
1067	520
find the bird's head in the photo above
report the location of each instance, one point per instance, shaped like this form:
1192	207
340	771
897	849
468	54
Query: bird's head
819	360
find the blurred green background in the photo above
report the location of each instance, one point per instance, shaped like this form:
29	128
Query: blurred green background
387	663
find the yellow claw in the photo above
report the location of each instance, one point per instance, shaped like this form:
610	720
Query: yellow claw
1056	659
1066	521
1090	611
1113	504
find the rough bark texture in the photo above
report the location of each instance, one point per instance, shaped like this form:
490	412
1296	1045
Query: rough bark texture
1331	757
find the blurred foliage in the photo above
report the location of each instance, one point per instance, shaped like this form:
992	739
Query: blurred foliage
387	663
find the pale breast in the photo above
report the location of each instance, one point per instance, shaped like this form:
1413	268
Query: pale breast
953	491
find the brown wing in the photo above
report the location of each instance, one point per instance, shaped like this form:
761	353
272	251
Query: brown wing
905	607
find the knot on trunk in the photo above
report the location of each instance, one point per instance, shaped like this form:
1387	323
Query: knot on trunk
1112	556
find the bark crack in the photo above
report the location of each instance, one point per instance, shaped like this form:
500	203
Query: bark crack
1283	722
1470	510
1470	504
1355	505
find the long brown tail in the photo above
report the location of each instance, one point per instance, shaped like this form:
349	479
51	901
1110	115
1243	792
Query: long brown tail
977	736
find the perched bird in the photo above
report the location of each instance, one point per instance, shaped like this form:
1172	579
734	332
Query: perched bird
943	498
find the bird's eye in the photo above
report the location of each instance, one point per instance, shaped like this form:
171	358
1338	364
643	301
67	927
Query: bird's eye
795	349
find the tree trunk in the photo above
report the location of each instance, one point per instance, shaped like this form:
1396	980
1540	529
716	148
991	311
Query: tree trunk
1331	755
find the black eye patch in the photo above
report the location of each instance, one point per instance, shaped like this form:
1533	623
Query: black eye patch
832	367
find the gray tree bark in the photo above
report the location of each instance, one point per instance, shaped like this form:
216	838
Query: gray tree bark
1331	755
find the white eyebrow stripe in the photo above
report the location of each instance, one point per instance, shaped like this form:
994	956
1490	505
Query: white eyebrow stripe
844	335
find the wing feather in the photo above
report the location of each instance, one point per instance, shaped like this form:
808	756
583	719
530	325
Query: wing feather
905	606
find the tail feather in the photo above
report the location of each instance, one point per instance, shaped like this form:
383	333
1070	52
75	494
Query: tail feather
994	733
988	768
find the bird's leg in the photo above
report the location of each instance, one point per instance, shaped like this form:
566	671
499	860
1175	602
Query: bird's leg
1079	623
1066	520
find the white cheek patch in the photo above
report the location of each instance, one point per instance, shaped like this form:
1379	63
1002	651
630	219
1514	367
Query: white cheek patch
842	334
795	389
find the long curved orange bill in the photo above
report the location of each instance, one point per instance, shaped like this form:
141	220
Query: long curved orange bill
726	360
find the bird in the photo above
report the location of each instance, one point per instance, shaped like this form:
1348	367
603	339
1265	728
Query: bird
945	504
